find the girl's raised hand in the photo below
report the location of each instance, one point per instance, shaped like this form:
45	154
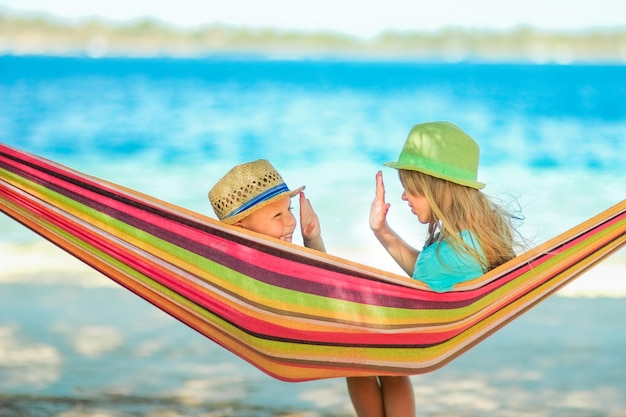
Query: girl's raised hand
379	208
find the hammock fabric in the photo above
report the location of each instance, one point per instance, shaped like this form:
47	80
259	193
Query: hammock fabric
294	313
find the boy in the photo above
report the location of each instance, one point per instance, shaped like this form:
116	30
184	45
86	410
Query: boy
254	196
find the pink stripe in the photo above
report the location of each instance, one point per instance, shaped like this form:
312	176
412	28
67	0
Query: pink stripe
203	298
269	262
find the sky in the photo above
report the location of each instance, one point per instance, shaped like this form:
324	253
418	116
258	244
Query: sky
361	18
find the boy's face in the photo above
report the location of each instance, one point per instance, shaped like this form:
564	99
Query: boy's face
275	220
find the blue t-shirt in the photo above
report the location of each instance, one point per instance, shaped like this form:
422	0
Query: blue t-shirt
440	271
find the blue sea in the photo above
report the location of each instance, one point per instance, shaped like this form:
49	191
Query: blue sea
553	148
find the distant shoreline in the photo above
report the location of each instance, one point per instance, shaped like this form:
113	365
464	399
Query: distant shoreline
35	35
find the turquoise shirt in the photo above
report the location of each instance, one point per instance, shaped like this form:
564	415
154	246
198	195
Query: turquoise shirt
456	267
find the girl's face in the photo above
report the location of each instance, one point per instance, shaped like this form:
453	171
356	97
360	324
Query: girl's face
274	220
419	206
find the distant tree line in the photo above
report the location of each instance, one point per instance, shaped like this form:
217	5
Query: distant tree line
46	35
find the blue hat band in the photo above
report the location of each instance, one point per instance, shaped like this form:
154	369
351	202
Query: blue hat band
266	195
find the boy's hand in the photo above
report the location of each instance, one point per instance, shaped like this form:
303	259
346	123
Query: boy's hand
310	225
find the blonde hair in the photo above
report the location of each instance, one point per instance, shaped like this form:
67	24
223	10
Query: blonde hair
456	208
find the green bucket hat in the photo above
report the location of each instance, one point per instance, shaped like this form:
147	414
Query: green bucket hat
443	150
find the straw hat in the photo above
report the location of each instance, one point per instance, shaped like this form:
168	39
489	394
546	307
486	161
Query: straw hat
246	188
442	150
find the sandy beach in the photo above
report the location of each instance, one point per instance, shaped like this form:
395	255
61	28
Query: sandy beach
74	350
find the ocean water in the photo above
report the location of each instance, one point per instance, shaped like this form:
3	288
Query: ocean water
553	138
553	146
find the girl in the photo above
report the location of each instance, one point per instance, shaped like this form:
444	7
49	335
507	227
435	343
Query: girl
467	236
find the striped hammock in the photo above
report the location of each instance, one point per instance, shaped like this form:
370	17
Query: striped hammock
294	313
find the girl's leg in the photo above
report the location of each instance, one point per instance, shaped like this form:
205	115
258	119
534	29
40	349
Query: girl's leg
366	396
397	393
